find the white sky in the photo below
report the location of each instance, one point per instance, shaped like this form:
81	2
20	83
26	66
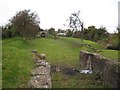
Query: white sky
53	13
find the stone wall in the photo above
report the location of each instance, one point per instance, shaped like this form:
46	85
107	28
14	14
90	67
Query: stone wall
108	70
40	75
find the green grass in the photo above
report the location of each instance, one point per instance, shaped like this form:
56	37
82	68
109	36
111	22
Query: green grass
111	54
78	81
57	51
17	60
78	42
16	64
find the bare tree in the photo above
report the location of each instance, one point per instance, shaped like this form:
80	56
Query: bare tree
75	23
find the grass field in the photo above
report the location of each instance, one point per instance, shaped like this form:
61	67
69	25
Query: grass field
17	61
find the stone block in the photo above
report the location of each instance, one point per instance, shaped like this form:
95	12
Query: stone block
108	70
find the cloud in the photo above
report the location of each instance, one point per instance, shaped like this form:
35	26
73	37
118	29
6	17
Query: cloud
53	13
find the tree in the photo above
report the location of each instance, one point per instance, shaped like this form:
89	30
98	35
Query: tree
26	23
69	33
113	40
76	34
102	33
94	34
7	32
75	23
51	31
91	32
60	31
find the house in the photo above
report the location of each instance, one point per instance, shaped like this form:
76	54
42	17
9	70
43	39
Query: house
61	34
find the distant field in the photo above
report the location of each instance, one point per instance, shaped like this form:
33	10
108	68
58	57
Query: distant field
17	60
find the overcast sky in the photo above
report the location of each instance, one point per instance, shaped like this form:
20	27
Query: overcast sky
53	13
